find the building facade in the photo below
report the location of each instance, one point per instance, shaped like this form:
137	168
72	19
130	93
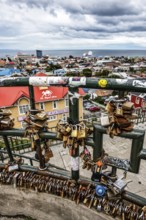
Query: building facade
53	100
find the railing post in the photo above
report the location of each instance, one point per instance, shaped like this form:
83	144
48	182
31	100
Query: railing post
98	144
31	94
74	119
137	146
6	141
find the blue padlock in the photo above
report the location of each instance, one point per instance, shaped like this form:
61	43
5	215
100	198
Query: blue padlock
100	190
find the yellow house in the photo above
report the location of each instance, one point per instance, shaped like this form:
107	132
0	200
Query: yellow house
53	100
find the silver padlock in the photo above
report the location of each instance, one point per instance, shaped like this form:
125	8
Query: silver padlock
99	205
104	120
15	178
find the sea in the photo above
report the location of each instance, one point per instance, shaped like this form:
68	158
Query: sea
76	53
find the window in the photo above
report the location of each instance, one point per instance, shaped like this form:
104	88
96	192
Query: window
55	104
143	104
66	102
64	117
137	100
23	124
23	109
52	118
42	106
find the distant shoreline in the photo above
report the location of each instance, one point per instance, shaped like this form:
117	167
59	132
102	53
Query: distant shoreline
77	53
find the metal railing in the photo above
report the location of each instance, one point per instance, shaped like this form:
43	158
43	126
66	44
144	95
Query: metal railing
137	151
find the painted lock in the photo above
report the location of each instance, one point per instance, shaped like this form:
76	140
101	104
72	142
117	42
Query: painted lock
100	190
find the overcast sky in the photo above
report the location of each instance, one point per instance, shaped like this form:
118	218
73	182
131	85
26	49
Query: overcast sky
72	24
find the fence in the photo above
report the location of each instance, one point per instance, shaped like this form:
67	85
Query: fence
137	151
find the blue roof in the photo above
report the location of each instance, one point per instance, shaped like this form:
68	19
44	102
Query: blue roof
8	71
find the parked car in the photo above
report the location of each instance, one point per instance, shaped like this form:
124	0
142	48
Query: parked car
94	108
88	106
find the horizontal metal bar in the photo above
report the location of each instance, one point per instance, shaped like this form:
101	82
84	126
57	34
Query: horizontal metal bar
142	154
131	197
49	171
21	133
90	82
30	158
89	142
134	134
43	135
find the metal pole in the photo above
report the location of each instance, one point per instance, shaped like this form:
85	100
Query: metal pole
31	94
113	173
6	141
74	119
90	82
142	154
98	143
137	145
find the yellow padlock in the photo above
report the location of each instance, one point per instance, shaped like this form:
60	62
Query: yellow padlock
74	132
65	138
67	128
81	131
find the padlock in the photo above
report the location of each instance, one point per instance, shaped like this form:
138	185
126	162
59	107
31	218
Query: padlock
81	131
91	200
68	141
119	186
95	202
85	200
75	144
111	119
144	209
36	136
99	166
99	207
84	165
82	142
70	150
74	132
64	144
59	135
104	120
128	105
65	138
109	107
67	128
119	111
48	154
106	208
62	130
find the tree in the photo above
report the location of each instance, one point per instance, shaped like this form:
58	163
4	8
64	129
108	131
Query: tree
87	97
87	72
105	72
71	57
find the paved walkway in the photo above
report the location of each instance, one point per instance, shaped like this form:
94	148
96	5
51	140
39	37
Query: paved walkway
118	147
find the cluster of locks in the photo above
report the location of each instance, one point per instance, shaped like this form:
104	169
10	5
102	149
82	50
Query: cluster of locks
102	162
120	116
97	196
36	121
6	121
72	136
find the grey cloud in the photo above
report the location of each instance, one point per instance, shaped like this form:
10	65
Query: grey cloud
8	30
96	7
32	3
137	29
100	7
73	19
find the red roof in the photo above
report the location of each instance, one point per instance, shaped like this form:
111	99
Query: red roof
9	95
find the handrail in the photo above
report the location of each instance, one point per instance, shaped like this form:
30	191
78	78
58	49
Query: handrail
90	82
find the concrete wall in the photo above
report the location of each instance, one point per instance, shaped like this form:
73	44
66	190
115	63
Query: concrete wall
43	206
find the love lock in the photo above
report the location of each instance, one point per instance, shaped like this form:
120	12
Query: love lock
119	185
100	190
